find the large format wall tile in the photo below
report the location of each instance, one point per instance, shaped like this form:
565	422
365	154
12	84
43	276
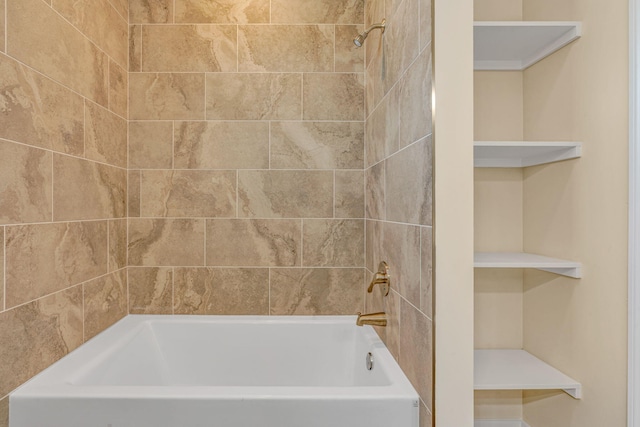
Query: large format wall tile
254	243
317	145
415	101
375	191
25	184
425	24
38	334
98	20
231	291
286	48
189	48
105	302
400	247
38	111
222	11
349	58
349	197
382	129
118	90
166	242
222	145
317	11
105	136
41	38
316	291
86	190
150	11
416	350
243	96
150	145
45	258
333	96
122	7
285	194
401	41
117	244
409	187
4	412
184	193
333	243
166	96
150	290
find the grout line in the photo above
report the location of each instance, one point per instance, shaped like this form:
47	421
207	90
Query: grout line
205	243
269	292
174	11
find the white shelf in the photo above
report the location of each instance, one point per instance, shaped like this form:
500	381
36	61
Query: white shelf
519	370
518	154
524	260
499	423
516	45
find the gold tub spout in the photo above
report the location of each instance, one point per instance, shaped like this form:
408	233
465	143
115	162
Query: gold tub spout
375	319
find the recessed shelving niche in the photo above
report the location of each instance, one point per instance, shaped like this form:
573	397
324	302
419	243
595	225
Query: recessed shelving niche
516	45
525	260
518	154
519	370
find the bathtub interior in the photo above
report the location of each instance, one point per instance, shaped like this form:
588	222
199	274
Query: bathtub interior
257	353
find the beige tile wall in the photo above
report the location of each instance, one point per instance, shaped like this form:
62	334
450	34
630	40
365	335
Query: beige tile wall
398	183
63	179
239	186
246	156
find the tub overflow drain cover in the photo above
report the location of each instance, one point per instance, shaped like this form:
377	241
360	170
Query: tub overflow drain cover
369	361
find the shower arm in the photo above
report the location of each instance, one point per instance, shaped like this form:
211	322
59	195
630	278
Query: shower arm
382	25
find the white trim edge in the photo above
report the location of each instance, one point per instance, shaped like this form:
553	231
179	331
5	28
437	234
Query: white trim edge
633	374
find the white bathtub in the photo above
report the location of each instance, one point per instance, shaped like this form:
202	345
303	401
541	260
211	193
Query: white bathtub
222	371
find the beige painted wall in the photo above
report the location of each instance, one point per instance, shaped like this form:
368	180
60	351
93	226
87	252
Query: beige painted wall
453	198
498	116
578	210
574	210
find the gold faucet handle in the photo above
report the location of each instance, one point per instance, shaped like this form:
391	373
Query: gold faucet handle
381	277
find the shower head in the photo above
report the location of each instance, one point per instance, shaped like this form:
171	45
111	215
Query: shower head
359	40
